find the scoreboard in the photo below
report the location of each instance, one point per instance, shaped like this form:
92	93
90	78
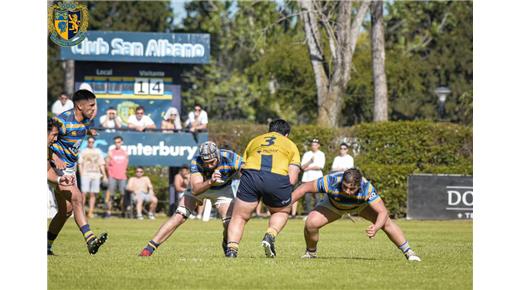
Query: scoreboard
125	86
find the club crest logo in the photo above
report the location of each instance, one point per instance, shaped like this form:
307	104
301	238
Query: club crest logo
67	23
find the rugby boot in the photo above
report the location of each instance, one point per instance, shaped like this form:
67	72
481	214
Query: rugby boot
411	256
309	255
231	253
268	244
145	253
94	244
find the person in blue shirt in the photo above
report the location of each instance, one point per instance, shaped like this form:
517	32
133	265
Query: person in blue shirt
348	192
212	173
73	126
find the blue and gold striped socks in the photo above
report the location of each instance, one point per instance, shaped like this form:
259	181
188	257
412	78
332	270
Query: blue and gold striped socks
152	246
87	233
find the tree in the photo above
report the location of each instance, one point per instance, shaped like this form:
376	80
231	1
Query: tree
378	62
342	32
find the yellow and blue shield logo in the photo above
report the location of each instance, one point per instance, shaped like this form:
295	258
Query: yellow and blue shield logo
68	22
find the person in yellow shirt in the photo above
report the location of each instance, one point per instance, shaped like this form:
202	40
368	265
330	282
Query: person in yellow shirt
271	168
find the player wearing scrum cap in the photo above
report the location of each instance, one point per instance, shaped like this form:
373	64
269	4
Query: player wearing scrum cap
211	174
347	192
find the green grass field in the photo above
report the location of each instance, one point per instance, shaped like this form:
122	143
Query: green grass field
192	258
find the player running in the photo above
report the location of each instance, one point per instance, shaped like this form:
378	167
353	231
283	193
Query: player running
347	192
211	176
73	126
272	164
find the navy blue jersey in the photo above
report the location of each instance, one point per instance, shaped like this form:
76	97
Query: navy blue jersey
71	134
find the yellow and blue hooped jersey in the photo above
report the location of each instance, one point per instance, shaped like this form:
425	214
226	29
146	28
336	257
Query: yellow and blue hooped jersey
331	185
229	164
271	152
71	134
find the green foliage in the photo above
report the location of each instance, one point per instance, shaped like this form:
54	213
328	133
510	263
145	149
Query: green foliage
192	258
388	151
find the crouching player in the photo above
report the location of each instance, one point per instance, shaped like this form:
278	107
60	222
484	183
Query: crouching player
73	126
211	176
347	192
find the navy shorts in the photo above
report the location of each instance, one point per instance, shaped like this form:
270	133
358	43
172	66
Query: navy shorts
274	189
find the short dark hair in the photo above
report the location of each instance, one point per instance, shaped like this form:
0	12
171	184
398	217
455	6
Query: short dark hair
91	137
139	167
280	126
352	175
343	144
80	95
118	137
51	122
197	105
111	108
185	166
64	94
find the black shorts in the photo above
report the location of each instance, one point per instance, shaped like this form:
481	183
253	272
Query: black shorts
275	189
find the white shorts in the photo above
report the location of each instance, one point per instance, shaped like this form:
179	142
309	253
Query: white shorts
325	202
217	197
90	184
146	197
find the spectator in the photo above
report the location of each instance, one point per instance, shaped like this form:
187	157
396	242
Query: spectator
140	121
62	104
312	163
182	181
111	120
142	191
117	163
344	161
197	120
91	169
172	121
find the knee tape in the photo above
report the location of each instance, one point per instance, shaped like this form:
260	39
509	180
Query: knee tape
184	212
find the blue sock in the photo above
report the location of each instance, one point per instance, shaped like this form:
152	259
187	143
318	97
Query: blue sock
152	246
87	233
404	247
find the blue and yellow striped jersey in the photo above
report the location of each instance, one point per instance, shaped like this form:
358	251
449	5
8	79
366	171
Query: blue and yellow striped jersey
229	164
331	185
71	134
271	152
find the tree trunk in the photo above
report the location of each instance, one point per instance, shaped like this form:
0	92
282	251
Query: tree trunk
378	62
69	77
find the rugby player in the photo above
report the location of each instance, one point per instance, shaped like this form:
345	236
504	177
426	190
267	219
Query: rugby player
271	167
349	192
73	126
52	176
212	172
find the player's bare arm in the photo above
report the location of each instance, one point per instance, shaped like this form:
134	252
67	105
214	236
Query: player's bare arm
58	162
293	170
304	188
382	216
198	184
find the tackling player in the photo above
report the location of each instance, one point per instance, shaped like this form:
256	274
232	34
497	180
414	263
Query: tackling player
347	192
52	176
73	126
211	176
271	167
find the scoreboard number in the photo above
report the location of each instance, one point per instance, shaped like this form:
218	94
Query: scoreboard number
156	87
142	86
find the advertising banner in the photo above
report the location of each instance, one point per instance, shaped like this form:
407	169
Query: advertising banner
440	197
153	148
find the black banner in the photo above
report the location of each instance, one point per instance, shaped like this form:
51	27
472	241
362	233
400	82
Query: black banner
440	197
